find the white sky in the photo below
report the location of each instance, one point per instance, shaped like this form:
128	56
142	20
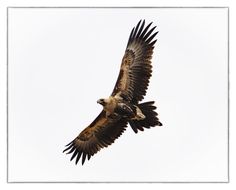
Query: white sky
62	60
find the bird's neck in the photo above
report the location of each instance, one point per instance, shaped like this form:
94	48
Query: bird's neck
110	104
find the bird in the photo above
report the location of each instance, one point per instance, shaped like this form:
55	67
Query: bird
124	105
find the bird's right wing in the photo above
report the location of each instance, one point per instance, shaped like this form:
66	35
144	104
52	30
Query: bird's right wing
99	134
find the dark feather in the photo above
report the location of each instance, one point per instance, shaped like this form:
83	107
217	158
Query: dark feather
78	157
83	158
136	28
141	29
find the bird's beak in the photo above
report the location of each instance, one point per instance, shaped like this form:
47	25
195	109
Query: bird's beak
101	101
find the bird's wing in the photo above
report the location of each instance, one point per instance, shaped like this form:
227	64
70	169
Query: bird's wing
136	68
99	134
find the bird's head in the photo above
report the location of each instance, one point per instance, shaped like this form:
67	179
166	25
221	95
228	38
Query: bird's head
102	101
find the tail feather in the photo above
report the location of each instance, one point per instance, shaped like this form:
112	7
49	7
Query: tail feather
151	119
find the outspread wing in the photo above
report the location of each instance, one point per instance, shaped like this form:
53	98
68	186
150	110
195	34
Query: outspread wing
136	67
99	134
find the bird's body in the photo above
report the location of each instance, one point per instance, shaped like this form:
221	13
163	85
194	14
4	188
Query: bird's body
114	106
123	105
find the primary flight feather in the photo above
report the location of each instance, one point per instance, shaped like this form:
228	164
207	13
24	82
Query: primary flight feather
122	106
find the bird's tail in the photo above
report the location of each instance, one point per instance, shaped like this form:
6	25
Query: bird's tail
150	120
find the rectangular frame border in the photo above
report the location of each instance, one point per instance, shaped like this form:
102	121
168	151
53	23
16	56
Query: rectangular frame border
120	7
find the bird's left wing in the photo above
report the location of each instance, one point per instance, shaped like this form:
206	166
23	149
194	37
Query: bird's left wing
136	68
99	134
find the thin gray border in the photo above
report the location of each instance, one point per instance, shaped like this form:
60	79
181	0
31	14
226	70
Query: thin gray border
94	7
7	94
228	151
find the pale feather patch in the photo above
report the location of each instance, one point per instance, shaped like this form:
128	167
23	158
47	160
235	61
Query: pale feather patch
139	114
110	105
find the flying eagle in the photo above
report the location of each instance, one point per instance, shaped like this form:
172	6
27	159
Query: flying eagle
122	106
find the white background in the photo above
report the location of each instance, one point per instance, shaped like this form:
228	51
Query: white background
3	158
62	60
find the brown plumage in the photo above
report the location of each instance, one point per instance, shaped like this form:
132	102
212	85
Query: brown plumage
100	133
122	107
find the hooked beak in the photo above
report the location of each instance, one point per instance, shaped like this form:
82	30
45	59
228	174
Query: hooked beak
100	101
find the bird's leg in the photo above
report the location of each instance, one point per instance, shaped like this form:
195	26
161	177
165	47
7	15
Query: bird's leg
124	110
